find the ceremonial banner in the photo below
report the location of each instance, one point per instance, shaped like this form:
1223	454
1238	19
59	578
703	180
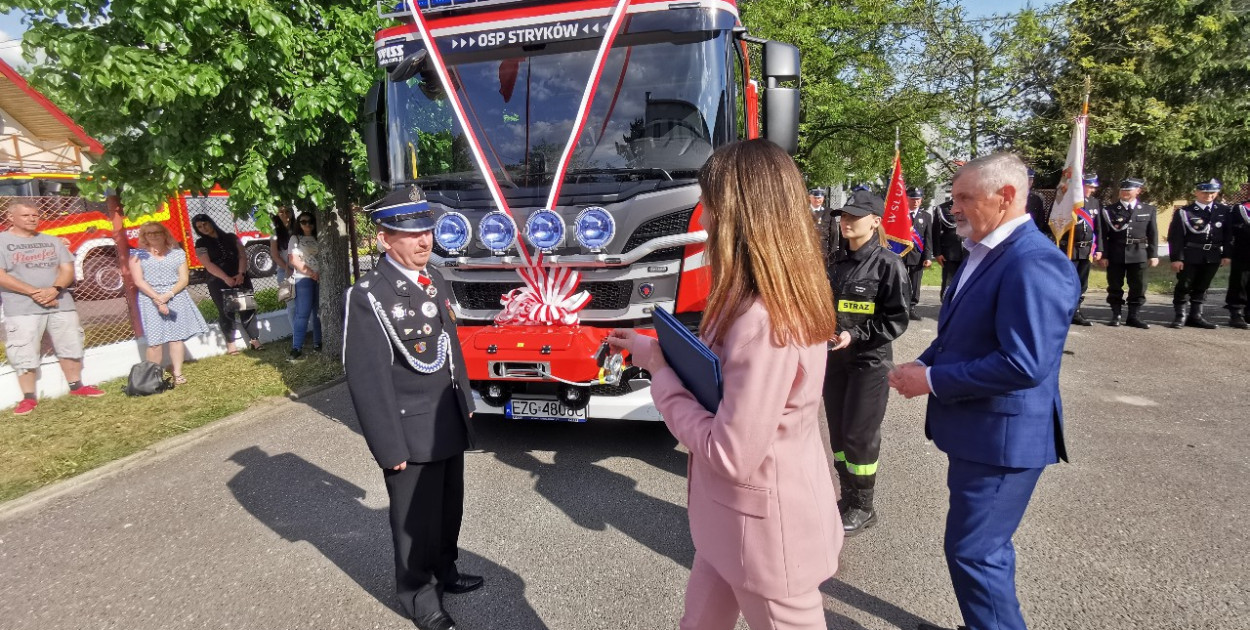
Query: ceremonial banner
1070	195
897	222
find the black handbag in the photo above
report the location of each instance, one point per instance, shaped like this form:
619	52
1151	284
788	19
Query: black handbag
147	378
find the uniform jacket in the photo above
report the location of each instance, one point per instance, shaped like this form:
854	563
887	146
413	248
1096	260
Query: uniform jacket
1036	207
946	242
1129	236
1086	234
922	223
762	505
829	229
870	290
1240	231
405	369
1200	236
995	371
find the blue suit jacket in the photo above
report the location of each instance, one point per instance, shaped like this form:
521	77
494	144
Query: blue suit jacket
995	362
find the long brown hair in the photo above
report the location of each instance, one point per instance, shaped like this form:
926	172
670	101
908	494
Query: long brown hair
762	243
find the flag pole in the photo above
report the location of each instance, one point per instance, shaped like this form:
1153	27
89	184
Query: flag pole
1085	121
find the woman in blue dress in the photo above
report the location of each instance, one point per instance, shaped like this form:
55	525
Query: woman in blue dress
169	315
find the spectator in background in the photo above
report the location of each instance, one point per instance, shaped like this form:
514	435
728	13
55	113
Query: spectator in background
170	317
278	244
35	271
223	257
302	256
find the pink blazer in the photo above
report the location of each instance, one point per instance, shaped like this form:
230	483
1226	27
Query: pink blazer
762	506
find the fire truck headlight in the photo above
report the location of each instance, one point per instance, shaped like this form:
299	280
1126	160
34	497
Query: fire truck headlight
545	230
595	228
496	232
452	232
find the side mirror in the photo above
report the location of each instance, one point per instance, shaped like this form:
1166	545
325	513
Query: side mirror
409	66
374	132
781	104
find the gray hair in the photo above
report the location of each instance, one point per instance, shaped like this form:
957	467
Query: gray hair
996	170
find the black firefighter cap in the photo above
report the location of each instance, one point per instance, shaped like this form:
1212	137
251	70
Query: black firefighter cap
864	203
403	209
915	193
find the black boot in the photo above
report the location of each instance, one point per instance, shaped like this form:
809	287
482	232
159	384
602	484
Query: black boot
1115	316
1237	319
1134	320
1179	320
1078	319
1195	318
859	514
844	486
911	313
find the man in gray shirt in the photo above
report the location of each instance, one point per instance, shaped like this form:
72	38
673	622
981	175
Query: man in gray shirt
35	271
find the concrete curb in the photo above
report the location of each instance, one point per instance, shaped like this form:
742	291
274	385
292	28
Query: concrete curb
152	454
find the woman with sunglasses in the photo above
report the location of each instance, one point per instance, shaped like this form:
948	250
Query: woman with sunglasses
169	316
223	257
302	255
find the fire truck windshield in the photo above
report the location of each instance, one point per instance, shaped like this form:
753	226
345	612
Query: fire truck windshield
663	103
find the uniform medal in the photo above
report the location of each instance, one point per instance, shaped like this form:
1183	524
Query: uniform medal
397	312
426	329
429	309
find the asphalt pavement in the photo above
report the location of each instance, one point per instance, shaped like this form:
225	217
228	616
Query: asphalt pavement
279	521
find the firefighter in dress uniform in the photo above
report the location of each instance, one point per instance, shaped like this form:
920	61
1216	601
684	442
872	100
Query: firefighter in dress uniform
408	384
1198	238
919	258
826	222
1129	235
1036	207
948	245
871	293
1087	245
1238	297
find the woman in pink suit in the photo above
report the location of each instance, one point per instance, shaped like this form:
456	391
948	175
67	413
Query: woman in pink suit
763	514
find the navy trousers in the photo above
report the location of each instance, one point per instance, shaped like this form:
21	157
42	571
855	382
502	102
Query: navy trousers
987	503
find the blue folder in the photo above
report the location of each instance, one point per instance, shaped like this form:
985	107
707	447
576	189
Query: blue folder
695	363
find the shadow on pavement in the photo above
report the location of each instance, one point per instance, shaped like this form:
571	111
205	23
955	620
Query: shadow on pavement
302	502
874	606
590	494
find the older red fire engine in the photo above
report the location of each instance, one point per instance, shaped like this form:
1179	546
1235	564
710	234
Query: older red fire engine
615	104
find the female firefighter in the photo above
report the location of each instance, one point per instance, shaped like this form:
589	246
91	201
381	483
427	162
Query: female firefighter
870	290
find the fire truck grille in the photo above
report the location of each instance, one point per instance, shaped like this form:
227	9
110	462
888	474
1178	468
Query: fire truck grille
479	296
667	225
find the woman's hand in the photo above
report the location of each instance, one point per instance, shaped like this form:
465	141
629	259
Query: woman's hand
644	351
841	341
162	308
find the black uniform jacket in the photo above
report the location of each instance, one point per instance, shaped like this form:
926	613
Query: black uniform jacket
1040	213
871	293
405	370
922	223
946	242
1240	233
1200	236
829	229
1129	235
1083	246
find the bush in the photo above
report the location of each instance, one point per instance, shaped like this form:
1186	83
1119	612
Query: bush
208	310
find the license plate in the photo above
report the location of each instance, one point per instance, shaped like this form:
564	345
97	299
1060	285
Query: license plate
542	409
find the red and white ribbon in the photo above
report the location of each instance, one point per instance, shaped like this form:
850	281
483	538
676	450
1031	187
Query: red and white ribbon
548	296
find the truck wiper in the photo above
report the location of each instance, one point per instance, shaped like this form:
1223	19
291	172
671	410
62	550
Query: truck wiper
627	174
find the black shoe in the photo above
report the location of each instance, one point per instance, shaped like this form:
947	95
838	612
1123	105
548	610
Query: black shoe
1137	323
856	521
1115	319
316	347
295	356
435	621
1237	320
1196	321
463	584
914	317
1079	319
1179	320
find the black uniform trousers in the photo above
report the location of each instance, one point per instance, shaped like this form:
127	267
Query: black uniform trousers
1082	271
1117	272
1238	284
855	398
1192	283
427	503
948	273
915	274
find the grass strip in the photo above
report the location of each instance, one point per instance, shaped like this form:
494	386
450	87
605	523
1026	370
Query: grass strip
67	436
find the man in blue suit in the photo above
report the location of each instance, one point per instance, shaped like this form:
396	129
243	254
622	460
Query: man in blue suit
992	378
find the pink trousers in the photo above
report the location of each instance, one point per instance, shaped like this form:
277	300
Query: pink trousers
712	604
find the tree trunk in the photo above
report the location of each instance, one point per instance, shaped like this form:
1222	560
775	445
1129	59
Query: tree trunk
335	274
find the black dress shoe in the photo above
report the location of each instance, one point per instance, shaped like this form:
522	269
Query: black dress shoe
914	316
435	621
463	584
1079	319
1115	320
1137	323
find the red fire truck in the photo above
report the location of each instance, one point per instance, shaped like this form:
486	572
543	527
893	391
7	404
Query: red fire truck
87	229
675	85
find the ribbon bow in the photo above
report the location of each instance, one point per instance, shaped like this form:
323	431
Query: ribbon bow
546	299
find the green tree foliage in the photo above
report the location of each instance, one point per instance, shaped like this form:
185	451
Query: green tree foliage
854	94
259	96
1169	79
